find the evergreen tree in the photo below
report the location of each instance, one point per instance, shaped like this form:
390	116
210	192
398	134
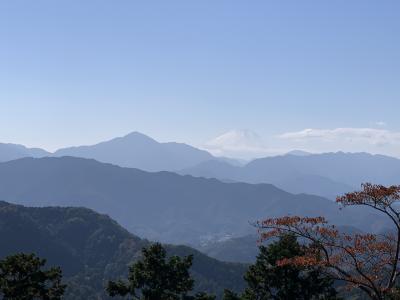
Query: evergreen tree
229	295
267	280
156	277
22	278
199	296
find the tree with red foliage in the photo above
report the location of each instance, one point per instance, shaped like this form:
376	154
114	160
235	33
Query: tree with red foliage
369	262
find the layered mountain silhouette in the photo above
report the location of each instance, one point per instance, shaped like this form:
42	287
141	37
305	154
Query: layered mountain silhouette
12	151
134	150
137	150
328	175
162	206
92	249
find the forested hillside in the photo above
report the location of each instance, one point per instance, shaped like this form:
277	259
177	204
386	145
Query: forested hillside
92	248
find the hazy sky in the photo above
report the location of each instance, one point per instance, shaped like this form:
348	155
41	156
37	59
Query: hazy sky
317	75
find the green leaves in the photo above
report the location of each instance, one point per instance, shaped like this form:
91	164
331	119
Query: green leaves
266	279
156	277
22	278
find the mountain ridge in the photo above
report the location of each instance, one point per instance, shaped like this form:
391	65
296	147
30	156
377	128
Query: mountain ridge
140	151
326	174
92	248
9	151
162	206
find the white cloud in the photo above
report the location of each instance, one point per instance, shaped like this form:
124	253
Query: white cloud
380	124
246	144
238	143
346	139
372	136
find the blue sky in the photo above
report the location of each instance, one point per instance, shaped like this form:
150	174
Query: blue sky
77	72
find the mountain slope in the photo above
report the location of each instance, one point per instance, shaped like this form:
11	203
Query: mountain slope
12	151
327	175
245	249
214	169
92	249
163	206
240	249
299	153
290	181
349	168
140	151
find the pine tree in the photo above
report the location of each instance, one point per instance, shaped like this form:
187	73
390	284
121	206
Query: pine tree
266	279
22	278
156	277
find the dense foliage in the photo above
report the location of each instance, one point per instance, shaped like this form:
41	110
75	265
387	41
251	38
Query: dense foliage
365	261
156	277
267	280
22	277
91	249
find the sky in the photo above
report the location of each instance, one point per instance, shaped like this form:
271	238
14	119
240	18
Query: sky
244	78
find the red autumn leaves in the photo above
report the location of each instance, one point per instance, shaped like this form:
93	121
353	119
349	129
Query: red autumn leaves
366	261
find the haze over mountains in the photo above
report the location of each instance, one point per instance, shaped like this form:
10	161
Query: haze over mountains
162	206
327	175
173	193
13	151
137	150
133	150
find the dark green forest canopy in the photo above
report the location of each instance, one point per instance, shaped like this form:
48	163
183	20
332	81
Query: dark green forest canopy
92	248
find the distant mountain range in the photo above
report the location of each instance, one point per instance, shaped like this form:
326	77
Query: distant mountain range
12	151
163	206
137	150
299	153
92	249
327	175
134	150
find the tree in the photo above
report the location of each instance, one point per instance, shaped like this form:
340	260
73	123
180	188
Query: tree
229	295
155	277
266	279
22	278
200	296
369	262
